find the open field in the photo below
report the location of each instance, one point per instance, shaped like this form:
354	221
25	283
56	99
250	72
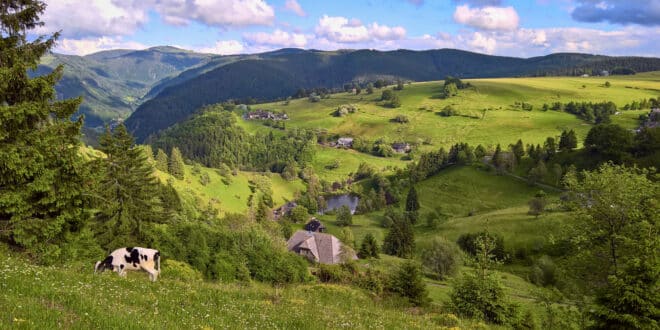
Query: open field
232	197
502	123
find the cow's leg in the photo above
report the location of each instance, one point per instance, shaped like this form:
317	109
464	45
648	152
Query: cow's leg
153	274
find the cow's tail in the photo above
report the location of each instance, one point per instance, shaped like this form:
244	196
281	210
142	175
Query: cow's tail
157	260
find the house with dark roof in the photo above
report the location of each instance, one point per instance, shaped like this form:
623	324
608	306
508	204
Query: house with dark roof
401	147
314	225
317	247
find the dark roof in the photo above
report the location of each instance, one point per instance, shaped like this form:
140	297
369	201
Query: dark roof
315	225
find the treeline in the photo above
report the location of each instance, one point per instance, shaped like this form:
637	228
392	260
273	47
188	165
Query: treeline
599	112
212	138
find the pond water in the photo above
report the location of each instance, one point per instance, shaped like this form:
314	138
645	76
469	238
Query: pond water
337	201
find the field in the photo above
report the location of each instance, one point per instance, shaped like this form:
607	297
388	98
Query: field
502	122
232	197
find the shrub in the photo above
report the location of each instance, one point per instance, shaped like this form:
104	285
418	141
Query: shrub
543	272
344	216
401	119
408	283
177	270
467	243
441	257
332	274
447	111
474	296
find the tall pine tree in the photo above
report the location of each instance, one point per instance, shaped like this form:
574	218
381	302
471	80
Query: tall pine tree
41	171
177	167
412	205
400	240
162	163
128	191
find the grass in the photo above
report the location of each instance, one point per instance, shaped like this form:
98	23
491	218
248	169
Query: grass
232	197
349	160
502	123
462	189
72	297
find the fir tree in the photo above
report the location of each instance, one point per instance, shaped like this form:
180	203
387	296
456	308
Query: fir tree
568	141
41	176
129	193
408	282
176	166
400	240
369	247
412	205
162	161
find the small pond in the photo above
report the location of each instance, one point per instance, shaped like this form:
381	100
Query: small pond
337	201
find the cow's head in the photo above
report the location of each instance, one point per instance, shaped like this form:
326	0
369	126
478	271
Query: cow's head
100	266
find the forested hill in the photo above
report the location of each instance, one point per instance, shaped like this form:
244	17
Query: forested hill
113	83
280	74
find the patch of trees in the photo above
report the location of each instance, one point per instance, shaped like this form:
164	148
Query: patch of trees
390	99
345	109
451	87
598	112
212	138
650	103
401	119
380	147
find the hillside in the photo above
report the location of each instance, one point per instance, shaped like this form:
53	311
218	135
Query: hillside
278	75
113	83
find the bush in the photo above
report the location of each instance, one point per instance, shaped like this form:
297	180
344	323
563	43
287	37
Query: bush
401	119
467	243
543	272
333	274
441	257
448	111
344	216
482	298
408	283
177	270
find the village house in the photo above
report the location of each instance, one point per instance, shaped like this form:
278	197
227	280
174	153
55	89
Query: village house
314	225
317	247
345	142
401	147
264	114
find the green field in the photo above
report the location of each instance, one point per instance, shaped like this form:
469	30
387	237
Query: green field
231	198
503	123
349	160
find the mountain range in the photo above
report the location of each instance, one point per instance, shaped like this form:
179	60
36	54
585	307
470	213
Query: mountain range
155	88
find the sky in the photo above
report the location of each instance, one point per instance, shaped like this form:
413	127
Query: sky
499	27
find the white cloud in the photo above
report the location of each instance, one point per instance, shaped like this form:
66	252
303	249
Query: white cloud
93	18
482	43
278	38
383	32
342	30
224	47
487	18
294	6
96	18
92	45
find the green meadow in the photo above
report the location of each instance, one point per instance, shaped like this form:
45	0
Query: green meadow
501	121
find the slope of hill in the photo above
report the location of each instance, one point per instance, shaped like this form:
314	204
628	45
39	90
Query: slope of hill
280	74
113	83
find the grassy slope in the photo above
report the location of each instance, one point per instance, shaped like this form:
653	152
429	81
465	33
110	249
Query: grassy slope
502	124
230	198
72	297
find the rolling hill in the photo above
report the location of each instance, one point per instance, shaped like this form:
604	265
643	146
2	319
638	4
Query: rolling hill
277	75
113	83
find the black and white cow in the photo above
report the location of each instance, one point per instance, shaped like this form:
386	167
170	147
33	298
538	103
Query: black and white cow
131	258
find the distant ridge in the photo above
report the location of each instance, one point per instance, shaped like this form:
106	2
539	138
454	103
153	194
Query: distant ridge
281	73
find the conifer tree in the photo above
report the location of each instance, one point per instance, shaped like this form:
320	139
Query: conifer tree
129	193
412	205
400	240
41	171
162	163
176	166
369	247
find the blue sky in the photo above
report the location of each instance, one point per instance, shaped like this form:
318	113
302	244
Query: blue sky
500	27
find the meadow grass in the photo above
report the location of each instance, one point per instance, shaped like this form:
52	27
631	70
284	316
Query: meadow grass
72	297
349	161
232	197
502	123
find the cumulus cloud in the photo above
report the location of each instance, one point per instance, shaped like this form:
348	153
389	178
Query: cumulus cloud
294	6
92	45
278	38
93	18
224	47
96	18
642	12
487	18
342	30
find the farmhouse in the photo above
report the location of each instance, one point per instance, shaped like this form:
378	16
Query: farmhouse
264	114
283	210
314	225
345	142
317	247
401	147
